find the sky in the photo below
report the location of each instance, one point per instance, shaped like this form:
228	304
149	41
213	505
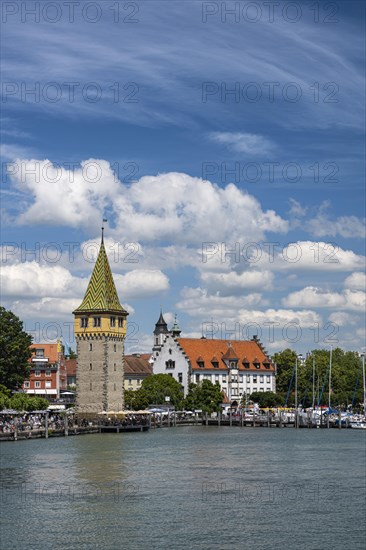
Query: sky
223	142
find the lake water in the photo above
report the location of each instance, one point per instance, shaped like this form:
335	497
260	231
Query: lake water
186	488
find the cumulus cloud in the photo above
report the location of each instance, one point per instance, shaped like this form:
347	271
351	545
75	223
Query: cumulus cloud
316	297
141	283
322	225
304	256
173	207
250	144
356	281
232	281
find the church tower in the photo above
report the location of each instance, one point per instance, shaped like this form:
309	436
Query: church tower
160	332
100	329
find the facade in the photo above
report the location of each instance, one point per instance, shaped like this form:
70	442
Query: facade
48	371
137	367
240	367
71	373
100	329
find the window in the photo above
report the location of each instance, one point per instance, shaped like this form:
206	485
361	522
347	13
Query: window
201	364
180	378
169	364
90	366
37	373
115	367
261	379
257	365
84	322
91	386
197	378
26	384
48	372
96	321
254	379
48	384
170	351
215	364
246	364
39	352
120	322
115	347
113	321
37	384
232	364
268	379
254	390
90	347
114	387
248	377
261	389
156	341
130	381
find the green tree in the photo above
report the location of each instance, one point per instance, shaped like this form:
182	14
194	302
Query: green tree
205	396
15	350
266	399
154	389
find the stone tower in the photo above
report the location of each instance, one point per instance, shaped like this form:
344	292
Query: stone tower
160	332
100	329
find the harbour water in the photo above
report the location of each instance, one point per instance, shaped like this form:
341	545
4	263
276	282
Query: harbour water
186	488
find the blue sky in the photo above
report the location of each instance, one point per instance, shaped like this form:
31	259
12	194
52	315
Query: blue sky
194	132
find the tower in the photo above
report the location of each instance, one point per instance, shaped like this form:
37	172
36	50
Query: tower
175	329
160	331
100	329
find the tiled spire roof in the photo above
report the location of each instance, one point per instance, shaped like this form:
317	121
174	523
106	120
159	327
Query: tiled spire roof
101	294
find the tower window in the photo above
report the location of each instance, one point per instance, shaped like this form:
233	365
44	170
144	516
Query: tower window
90	347
114	387
170	351
115	367
120	322
84	322
114	347
96	321
113	321
90	366
91	386
156	341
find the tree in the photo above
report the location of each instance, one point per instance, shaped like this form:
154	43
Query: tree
205	396
154	389
15	350
266	399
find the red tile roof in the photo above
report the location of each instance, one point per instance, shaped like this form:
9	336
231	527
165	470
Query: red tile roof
206	350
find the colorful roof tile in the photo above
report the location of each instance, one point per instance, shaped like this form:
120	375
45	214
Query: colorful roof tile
101	294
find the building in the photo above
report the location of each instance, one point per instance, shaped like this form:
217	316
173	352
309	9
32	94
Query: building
48	371
100	329
240	367
137	368
71	373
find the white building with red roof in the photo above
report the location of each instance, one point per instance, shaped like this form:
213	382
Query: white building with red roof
240	367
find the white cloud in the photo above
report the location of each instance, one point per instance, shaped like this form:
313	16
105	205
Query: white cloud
345	226
304	256
141	283
233	281
280	317
356	281
198	303
316	297
342	319
173	207
250	144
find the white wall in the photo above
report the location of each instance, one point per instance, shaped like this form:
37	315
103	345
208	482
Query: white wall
181	364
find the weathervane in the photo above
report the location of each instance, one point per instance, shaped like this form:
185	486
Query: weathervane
104	220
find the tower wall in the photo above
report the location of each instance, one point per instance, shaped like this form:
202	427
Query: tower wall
99	374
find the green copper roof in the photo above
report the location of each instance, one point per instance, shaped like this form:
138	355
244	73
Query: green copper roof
101	294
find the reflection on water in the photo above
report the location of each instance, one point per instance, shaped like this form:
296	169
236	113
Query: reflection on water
186	488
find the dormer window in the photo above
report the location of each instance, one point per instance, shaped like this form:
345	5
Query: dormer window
113	321
201	364
257	365
84	322
215	364
96	321
266	365
120	322
233	364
